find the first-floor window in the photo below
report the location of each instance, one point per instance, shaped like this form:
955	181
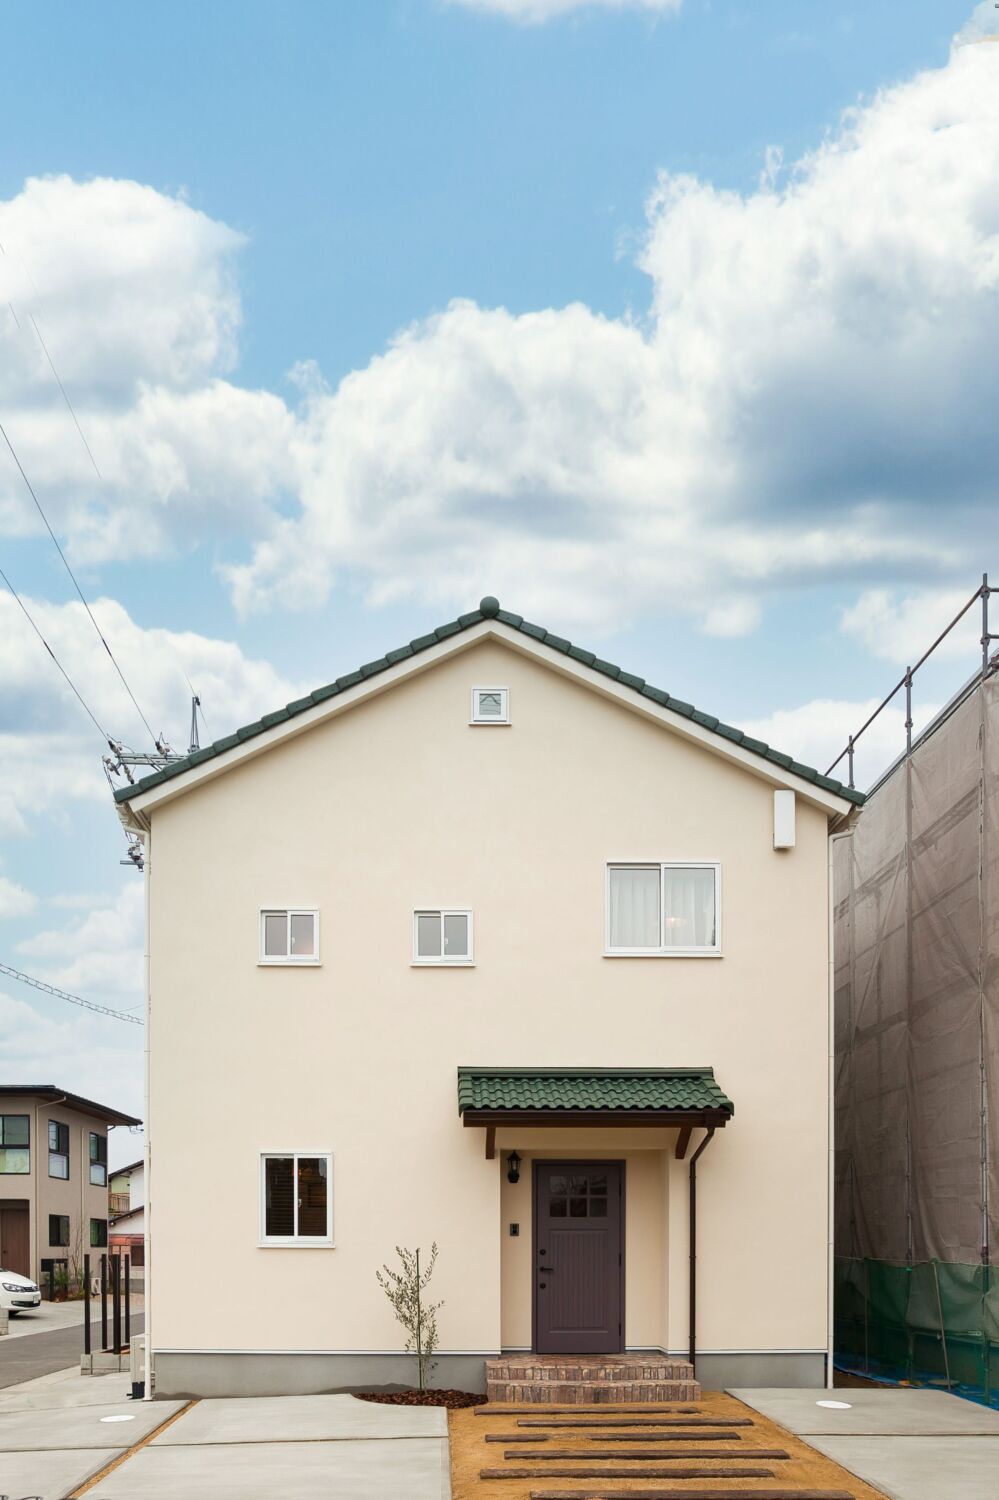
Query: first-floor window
289	936
98	1160
668	908
442	936
15	1153
58	1229
296	1205
58	1149
98	1233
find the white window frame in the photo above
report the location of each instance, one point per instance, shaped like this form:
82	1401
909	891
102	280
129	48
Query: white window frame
295	1241
715	951
269	960
443	962
504	700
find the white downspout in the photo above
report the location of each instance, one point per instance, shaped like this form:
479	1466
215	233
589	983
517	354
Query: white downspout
147	1152
831	1088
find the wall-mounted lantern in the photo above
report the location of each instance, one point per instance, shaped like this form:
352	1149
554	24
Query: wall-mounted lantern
513	1167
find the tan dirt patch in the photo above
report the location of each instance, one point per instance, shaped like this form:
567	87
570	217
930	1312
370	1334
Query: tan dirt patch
804	1469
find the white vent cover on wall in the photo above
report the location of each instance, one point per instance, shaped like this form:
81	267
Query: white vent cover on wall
784	820
490	705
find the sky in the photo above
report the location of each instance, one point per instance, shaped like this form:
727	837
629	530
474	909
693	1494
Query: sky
672	323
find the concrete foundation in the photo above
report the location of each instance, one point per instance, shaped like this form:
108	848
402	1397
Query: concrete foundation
718	1372
177	1375
102	1362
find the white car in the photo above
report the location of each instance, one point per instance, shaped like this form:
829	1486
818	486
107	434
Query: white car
17	1292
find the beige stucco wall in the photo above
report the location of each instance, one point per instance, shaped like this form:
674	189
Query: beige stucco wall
46	1195
399	803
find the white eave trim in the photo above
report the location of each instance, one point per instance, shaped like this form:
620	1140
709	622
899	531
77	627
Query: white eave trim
453	645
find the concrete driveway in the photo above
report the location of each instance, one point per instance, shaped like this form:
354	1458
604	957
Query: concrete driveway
910	1444
58	1433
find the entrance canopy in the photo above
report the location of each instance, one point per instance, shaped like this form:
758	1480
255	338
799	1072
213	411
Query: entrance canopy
679	1098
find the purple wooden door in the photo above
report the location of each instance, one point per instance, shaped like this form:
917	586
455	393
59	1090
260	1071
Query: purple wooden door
579	1260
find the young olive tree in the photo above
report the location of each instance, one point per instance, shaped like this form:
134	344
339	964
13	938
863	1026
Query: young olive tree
405	1289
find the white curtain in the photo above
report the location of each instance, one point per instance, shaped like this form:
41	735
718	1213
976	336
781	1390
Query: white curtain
634	907
689	901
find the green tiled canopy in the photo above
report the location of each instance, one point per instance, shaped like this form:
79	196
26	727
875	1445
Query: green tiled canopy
665	1091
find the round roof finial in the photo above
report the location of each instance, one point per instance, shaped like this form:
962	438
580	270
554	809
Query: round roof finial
489	606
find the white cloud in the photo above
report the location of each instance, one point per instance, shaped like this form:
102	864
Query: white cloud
982	25
15	901
50	756
97	956
535	12
899	628
815	372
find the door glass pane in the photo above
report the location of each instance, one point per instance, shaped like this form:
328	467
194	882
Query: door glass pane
577	1208
634	908
279	1196
598	1208
577	1184
428	934
312	1195
690	908
275	934
303	935
556	1208
558	1184
455	935
598	1183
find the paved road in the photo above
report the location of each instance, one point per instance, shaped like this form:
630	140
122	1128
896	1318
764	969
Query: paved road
26	1358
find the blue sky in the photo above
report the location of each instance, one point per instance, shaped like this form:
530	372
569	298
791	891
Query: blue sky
367	309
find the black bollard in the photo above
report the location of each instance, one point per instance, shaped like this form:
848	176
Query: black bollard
86	1304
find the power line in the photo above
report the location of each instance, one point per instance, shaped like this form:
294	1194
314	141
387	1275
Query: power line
72	575
65	397
79	696
50	989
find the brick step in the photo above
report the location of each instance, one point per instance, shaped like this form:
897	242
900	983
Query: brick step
592	1369
599	1393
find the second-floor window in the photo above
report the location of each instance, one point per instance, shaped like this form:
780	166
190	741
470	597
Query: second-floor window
58	1152
289	935
98	1234
670	908
15	1148
58	1229
98	1160
442	936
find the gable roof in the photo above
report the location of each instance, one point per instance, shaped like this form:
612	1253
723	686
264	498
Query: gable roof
489	611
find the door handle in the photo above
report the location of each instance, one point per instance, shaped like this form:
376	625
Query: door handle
546	1269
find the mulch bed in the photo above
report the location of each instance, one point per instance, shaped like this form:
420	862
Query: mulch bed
453	1400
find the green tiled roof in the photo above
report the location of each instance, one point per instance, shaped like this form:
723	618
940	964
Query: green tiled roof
590	1088
488	610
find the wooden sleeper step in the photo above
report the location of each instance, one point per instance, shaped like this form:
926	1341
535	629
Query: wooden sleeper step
685	1494
579	1410
670	1421
735	1471
651	1455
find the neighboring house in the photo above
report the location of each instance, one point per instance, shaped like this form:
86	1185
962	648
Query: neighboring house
126	1204
479	944
53	1178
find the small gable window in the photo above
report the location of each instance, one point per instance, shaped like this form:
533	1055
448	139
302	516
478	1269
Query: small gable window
289	936
442	936
490	705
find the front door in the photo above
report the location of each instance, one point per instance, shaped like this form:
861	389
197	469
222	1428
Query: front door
579	1257
15	1238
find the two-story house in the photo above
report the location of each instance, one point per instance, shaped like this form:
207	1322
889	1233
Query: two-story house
483	944
53	1179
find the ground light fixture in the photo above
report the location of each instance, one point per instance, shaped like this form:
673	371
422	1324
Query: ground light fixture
836	1405
513	1167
